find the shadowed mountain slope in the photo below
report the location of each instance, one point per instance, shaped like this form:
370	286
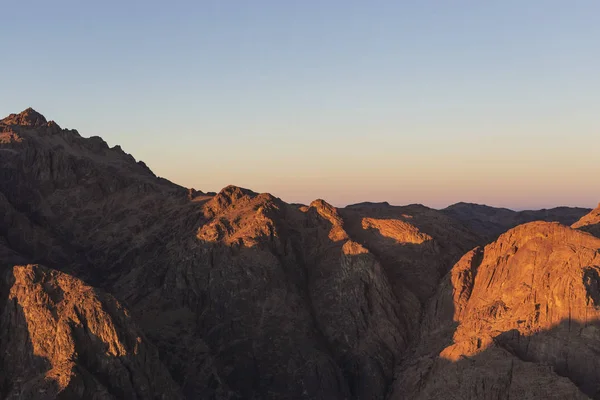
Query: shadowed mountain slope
590	222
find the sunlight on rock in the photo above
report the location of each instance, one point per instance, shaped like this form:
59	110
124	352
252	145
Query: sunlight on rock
400	231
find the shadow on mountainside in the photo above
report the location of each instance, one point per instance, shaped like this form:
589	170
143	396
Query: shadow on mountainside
417	246
281	300
267	314
554	363
268	258
565	348
230	298
594	229
408	265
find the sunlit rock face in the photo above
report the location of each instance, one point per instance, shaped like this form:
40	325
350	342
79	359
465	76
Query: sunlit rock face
62	338
152	290
518	317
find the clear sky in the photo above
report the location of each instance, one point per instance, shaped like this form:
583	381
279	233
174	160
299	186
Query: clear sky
429	102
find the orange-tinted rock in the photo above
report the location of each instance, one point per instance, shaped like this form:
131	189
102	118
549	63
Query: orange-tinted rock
530	297
28	117
60	337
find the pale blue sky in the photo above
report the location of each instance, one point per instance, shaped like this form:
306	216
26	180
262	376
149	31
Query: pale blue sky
432	102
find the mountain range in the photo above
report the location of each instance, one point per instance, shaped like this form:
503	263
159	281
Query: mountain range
116	283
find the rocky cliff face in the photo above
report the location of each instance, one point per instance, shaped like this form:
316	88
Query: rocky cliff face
63	339
239	294
517	318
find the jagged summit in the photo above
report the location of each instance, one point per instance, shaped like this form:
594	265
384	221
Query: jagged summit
27	117
231	194
236	191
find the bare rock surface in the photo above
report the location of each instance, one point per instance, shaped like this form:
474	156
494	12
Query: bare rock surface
63	339
517	318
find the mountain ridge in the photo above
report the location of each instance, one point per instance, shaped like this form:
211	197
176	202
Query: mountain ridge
492	221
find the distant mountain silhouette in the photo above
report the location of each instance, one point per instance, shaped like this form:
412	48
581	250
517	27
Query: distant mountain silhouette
490	222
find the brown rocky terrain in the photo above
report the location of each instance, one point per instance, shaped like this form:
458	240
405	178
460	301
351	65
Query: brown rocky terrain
240	295
518	318
490	222
61	338
416	244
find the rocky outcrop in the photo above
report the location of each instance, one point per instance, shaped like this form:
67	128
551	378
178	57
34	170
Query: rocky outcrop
62	339
510	318
28	117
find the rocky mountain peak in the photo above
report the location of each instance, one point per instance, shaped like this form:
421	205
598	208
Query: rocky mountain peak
27	117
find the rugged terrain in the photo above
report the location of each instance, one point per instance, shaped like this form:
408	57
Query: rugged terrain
121	284
518	318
